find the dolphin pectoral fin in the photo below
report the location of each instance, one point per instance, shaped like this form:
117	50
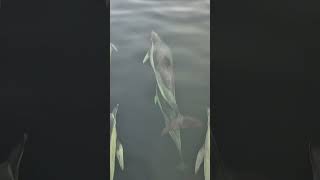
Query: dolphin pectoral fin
146	58
190	122
200	158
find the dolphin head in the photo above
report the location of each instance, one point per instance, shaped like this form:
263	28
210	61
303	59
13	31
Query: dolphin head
154	37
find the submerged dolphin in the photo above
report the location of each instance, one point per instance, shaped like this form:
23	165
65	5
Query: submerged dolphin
116	149
9	170
161	61
315	161
204	153
162	64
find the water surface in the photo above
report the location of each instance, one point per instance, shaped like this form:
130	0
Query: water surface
185	27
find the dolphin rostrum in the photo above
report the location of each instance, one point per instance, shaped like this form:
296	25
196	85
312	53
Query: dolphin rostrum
9	170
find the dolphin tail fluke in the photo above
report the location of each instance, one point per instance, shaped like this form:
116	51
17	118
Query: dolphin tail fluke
186	122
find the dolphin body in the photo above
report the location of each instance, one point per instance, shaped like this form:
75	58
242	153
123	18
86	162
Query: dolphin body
315	161
116	148
161	61
9	170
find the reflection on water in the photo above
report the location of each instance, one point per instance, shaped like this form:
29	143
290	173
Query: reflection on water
184	26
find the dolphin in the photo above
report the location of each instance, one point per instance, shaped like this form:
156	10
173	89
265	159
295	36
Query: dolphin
204	153
314	155
116	148
161	61
9	170
160	58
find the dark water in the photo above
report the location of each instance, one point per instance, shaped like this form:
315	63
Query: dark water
53	87
185	27
264	114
